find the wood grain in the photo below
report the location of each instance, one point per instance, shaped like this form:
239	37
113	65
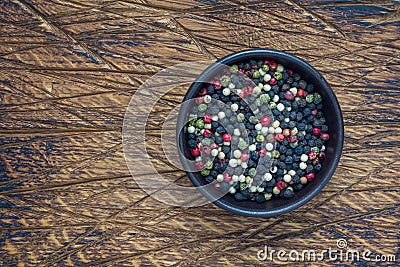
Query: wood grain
68	70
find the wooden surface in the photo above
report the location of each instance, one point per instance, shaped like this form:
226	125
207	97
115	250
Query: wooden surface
67	72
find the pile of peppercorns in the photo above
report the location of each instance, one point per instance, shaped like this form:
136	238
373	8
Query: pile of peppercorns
257	130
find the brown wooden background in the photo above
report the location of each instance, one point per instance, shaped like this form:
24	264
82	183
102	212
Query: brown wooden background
68	69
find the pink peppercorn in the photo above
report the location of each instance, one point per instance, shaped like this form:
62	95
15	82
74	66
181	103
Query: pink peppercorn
195	152
310	176
227	178
280	185
286	132
312	155
273	81
262	152
207	133
207	118
244	157
226	137
289	95
316	131
217	85
265	121
248	90
301	93
324	137
279	137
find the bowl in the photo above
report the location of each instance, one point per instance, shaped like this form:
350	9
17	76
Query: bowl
334	120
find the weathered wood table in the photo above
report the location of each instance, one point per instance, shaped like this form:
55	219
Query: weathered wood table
68	70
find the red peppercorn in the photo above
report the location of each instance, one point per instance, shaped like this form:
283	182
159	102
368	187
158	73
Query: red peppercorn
281	185
316	131
324	137
321	155
207	133
289	95
301	93
241	95
315	161
310	176
217	85
244	157
241	71
292	139
286	132
262	152
289	72
207	118
265	121
273	81
248	90
279	137
273	65
254	67
199	100
227	178
195	152
199	165
226	137
312	155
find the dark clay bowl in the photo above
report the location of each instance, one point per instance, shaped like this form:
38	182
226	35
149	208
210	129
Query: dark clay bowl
332	113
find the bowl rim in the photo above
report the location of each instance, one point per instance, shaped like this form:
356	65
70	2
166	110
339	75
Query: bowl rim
338	114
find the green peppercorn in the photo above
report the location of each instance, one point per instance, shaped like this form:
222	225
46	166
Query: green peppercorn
260	138
278	75
272	105
253	120
258	102
294	144
192	122
317	98
264	98
206	141
234	68
310	98
256	74
200	123
205	172
315	149
209	164
225	80
242	145
252	172
243	186
265	68
276	154
202	107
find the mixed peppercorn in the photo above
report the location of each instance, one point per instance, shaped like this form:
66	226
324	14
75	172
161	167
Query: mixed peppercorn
257	130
